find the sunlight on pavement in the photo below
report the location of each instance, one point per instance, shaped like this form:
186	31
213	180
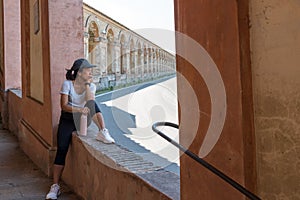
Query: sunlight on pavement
149	105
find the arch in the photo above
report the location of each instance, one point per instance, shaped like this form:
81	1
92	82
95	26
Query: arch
93	40
93	32
90	19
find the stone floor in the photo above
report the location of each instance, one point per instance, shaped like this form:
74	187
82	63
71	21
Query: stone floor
20	178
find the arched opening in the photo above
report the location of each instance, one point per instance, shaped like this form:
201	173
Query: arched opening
93	32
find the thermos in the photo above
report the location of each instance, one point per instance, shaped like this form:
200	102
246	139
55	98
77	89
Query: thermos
83	125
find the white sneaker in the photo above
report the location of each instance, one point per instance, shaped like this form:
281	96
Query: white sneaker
54	192
105	137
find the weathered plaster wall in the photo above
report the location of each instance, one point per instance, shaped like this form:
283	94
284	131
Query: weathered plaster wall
275	39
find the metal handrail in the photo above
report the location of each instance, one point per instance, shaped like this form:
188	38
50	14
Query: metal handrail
217	172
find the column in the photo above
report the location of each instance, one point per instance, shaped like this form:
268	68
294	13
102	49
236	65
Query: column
222	130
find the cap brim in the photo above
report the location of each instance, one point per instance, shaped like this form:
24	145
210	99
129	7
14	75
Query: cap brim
89	66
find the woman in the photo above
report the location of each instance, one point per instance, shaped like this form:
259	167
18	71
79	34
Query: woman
77	98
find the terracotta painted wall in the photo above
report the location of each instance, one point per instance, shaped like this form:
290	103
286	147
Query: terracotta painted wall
220	27
275	47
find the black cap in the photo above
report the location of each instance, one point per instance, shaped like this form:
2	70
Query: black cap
80	64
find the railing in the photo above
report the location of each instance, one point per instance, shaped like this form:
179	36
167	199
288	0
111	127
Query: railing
203	162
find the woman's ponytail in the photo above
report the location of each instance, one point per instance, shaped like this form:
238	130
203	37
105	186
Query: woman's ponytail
70	75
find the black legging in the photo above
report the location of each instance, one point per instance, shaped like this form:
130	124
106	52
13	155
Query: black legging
68	123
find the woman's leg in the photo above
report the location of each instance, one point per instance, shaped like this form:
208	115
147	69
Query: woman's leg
64	136
96	114
57	172
97	117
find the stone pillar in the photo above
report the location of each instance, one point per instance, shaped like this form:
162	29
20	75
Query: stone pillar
146	63
97	57
124	58
102	59
127	61
135	57
117	58
222	29
160	64
151	64
142	65
86	45
155	65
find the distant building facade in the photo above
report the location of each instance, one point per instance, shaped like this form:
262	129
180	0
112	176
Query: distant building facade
122	56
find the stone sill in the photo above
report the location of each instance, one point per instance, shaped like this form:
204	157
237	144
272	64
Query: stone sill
17	92
120	158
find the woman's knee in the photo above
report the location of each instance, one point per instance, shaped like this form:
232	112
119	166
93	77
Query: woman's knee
60	157
94	108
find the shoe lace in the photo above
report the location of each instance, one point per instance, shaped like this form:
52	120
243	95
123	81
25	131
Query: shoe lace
105	132
54	188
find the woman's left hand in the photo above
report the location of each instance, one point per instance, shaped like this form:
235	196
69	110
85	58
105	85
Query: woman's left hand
85	110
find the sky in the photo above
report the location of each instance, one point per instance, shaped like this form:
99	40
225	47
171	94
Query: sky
139	15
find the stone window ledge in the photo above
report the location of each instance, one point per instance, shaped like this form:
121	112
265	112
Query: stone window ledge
17	92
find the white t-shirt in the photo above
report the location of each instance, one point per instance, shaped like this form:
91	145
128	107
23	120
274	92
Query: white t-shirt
77	100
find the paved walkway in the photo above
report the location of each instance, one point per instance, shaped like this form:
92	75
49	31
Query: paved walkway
20	178
130	112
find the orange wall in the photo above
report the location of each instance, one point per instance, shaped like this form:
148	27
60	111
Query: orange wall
217	26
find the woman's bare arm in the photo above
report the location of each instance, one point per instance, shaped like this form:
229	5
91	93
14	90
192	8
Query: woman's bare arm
88	94
67	108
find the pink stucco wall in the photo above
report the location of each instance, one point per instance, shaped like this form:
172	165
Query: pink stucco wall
12	44
66	45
